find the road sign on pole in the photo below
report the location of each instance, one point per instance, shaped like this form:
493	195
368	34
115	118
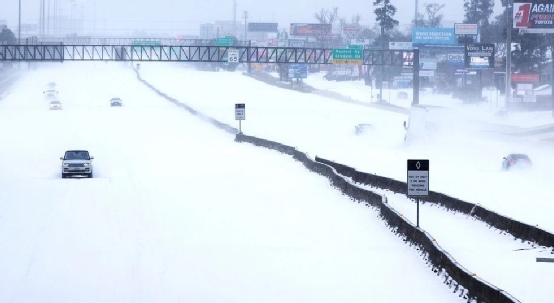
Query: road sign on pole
418	180
227	41
233	56
240	114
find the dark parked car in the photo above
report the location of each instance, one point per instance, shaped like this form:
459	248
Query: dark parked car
516	160
116	102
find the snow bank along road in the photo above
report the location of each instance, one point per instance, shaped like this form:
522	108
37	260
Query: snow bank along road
177	211
465	163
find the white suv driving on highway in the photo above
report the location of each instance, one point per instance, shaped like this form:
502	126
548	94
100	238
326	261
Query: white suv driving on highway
76	162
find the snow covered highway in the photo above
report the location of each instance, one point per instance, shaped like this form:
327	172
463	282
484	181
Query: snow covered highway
176	211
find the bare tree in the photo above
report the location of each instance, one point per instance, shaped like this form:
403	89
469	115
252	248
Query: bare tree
326	16
432	17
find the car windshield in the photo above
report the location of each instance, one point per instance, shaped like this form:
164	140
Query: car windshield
520	157
77	155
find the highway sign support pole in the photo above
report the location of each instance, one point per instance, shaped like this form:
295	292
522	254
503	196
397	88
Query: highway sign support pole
248	54
417	200
415	80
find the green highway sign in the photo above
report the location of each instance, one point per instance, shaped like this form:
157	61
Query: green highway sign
348	56
355	46
227	41
147	42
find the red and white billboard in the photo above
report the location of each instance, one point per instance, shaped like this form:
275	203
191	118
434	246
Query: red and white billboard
310	30
534	16
525	78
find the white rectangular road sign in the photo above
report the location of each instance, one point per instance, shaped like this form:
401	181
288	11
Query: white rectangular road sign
240	111
418	178
465	29
233	56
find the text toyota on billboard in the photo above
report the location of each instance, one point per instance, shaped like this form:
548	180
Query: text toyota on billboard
534	16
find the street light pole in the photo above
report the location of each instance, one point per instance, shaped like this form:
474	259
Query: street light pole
19	36
509	17
245	16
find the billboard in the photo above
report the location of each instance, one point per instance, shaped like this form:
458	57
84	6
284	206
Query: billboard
310	29
525	78
263	27
401	45
480	55
465	29
299	71
534	16
433	36
455	59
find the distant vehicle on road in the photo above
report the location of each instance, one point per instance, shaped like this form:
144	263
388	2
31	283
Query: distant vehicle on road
116	102
516	161
76	162
50	93
51	85
55	104
363	129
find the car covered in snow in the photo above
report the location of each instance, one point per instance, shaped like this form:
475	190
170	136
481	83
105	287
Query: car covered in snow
55	104
116	102
516	161
76	163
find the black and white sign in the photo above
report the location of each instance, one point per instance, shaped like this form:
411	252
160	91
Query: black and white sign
233	56
418	178
480	55
296	43
240	109
263	27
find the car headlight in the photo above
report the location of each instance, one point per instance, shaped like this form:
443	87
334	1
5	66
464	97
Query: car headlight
87	164
65	164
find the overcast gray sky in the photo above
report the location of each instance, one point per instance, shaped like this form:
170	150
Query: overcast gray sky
178	16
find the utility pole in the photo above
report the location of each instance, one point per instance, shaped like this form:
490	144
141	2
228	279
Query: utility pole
48	14
416	11
382	55
235	18
245	16
19	38
509	21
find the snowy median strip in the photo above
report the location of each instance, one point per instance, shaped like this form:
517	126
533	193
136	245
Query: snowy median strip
463	282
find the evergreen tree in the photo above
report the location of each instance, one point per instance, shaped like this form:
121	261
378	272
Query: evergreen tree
7	36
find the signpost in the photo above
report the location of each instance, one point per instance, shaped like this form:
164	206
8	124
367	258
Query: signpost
227	41
263	27
465	29
298	71
347	56
479	55
233	56
240	114
418	181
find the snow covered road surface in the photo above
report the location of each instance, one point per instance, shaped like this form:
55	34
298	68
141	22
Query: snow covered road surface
177	211
465	162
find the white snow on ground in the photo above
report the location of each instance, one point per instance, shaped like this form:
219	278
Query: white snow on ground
511	265
483	112
465	162
177	212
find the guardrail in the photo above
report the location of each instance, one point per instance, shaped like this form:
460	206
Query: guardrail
516	228
455	276
459	279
